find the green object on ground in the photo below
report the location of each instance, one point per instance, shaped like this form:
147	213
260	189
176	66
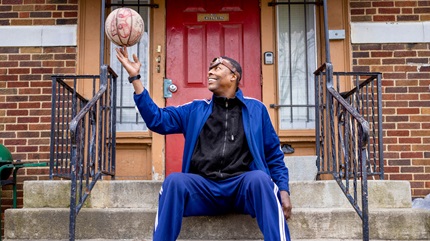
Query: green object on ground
7	166
5	158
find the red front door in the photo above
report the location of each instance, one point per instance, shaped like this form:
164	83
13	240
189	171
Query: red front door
197	32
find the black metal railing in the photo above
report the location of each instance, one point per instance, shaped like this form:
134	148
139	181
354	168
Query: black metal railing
83	135
349	129
349	133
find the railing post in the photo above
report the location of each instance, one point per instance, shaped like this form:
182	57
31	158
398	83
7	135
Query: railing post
72	217
317	121
53	114
380	134
364	191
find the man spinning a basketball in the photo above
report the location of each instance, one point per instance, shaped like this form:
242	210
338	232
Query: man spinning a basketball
232	159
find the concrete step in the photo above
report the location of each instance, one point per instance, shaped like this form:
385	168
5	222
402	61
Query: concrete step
190	240
187	240
144	194
301	168
138	223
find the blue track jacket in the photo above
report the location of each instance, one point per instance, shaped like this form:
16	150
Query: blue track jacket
189	119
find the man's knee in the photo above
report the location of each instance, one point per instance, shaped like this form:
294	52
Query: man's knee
258	179
174	178
180	182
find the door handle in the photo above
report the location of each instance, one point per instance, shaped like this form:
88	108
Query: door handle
173	88
169	88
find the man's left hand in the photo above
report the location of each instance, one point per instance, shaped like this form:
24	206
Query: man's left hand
286	204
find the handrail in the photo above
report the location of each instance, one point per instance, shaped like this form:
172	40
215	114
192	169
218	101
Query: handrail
83	135
343	141
363	123
93	140
362	84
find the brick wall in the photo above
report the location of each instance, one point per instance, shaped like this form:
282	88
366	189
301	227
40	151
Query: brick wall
405	71
25	85
389	11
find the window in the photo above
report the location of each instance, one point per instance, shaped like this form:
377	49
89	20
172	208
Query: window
296	43
128	118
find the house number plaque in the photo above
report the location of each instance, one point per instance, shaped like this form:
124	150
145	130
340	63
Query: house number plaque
212	17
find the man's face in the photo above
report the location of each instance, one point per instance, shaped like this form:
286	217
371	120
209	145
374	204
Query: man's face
221	80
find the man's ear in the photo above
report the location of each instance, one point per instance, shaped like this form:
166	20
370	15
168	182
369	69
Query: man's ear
234	77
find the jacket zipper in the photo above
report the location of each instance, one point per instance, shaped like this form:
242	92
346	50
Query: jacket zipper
225	135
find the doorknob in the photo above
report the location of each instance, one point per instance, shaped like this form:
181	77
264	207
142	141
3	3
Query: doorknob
169	88
173	88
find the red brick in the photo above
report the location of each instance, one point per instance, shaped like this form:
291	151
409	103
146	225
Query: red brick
405	3
410	140
396	104
396	90
28	134
419	75
15	127
412	170
389	10
357	11
390	169
418	90
28	119
405	53
420	147
42	71
420	103
397	133
29	105
405	18
400	176
14	142
405	68
411	155
417	60
402	111
421	10
384	18
399	147
40	98
415	184
394	61
360	4
17	112
370	47
421	162
407	97
372	61
8	106
26	149
371	11
37	171
424	177
394	75
408	126
407	82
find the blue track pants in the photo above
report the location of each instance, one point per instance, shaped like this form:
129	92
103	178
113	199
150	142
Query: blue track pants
186	194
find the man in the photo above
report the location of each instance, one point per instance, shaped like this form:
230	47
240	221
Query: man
232	159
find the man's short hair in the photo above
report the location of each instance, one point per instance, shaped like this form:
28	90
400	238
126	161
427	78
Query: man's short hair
236	65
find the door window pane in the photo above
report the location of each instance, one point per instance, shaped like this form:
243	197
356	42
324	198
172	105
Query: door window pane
128	118
296	63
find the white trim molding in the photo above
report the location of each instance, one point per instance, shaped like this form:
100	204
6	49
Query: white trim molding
38	36
390	32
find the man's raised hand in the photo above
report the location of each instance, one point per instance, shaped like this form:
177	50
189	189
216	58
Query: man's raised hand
132	68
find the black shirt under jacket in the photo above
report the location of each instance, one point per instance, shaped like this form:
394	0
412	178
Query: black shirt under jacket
221	150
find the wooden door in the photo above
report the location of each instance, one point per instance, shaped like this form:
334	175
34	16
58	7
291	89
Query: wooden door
198	31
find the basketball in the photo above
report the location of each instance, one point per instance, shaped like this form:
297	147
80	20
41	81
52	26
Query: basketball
124	27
